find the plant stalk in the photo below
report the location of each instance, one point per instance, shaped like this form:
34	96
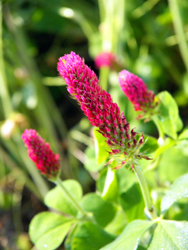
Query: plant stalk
179	30
63	188
4	94
144	187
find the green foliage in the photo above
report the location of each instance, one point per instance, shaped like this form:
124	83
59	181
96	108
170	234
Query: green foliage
91	163
102	211
170	235
169	115
126	179
101	147
47	230
110	189
178	190
168	143
5	200
119	222
57	199
129	238
182	142
150	146
132	203
90	236
173	159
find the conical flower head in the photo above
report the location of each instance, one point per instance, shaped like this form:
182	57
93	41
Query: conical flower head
97	104
136	91
40	153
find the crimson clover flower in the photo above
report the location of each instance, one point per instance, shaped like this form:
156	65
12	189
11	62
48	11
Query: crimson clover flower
40	153
105	59
97	104
136	91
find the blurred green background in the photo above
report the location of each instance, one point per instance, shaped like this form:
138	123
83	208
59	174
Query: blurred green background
150	39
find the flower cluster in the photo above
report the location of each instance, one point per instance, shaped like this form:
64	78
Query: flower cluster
82	84
40	153
105	59
136	91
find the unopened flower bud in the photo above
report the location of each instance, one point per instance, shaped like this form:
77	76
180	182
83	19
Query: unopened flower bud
105	59
136	91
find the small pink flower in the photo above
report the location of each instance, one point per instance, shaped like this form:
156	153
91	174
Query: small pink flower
136	91
40	153
105	59
82	84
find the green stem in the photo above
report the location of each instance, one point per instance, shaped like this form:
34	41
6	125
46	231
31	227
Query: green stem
59	182
179	30
101	10
144	187
103	76
144	8
4	94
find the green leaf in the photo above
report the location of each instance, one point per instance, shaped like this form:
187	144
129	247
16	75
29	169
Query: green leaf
169	115
129	239
69	238
90	236
184	134
91	162
150	145
117	225
178	190
182	141
101	179
57	199
47	230
132	203
125	178
101	147
168	143
170	235
173	164
102	211
110	190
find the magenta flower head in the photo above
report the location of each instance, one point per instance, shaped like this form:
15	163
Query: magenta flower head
136	91
40	153
82	84
105	59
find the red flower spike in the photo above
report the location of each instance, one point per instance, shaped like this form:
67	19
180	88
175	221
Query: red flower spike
83	85
40	153
136	91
